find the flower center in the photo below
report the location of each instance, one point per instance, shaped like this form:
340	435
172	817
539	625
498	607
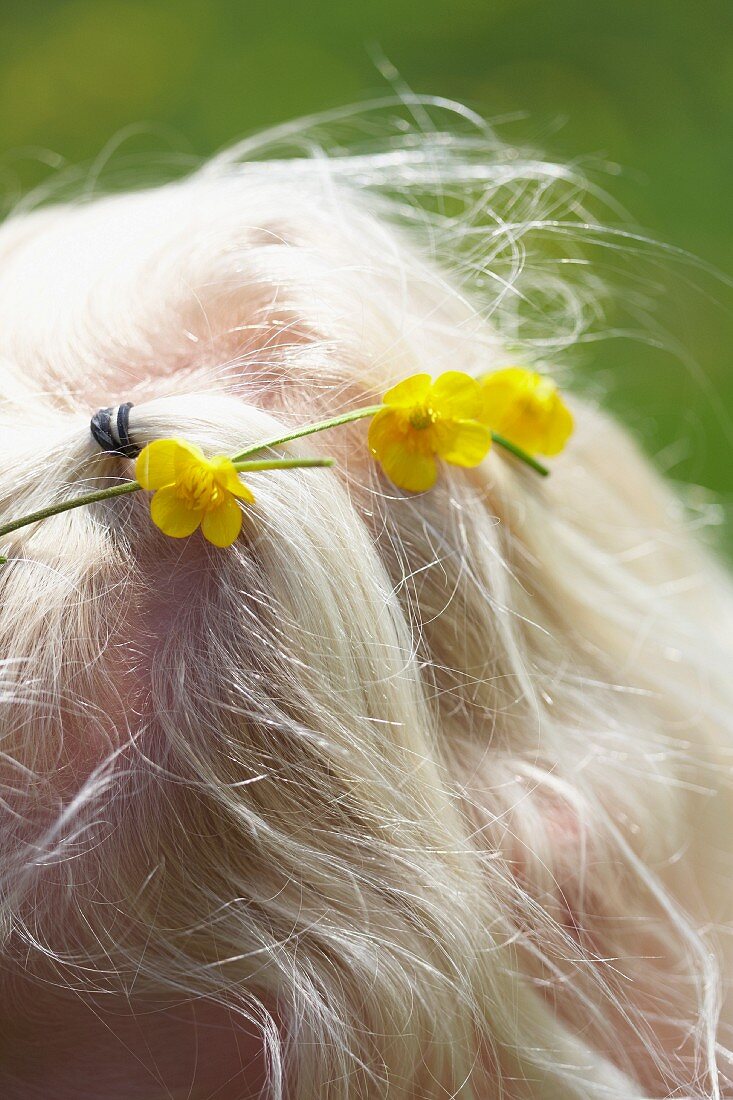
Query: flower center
198	489
422	416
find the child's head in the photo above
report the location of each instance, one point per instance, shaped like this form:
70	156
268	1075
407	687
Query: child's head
402	796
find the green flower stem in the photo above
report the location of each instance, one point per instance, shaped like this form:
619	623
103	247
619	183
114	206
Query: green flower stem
519	453
134	486
67	505
280	463
310	429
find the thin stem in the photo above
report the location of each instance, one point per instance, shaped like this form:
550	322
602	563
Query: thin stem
518	452
67	505
310	429
280	463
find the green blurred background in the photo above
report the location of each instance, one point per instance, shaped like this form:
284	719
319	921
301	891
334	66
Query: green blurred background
643	84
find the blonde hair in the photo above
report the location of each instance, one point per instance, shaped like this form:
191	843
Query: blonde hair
431	791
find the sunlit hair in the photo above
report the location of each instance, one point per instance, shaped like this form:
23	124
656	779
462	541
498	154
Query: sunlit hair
431	792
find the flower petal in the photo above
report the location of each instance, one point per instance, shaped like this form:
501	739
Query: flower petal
171	515
411	391
501	389
409	469
222	524
384	428
559	428
461	442
160	462
188	454
456	396
227	476
523	423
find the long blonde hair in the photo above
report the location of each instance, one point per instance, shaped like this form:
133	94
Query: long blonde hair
431	790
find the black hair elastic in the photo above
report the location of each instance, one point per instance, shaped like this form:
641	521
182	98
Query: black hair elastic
111	429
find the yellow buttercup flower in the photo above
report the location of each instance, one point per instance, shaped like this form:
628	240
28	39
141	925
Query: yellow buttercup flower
527	409
421	420
192	490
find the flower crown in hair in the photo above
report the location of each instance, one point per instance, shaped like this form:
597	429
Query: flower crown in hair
454	418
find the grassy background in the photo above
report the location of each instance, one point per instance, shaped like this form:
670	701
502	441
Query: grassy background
644	84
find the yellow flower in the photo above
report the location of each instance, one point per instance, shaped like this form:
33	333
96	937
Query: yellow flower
527	409
421	419
192	490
